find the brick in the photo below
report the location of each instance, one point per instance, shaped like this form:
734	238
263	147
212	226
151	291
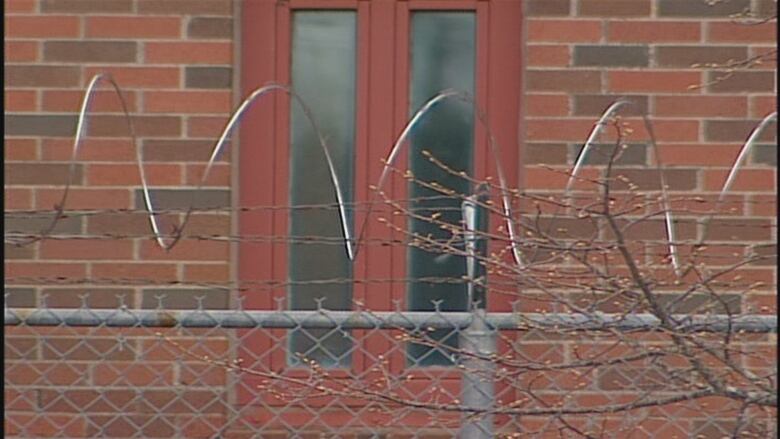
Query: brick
90	51
767	253
188	102
17	198
614	8
210	28
634	31
189	52
20	149
735	130
731	32
547	55
611	56
763	206
51	425
132	375
696	56
762	106
648	179
179	151
79	198
97	400
185	298
742	230
564	80
599	154
86	249
131	224
186	250
132	27
71	100
19	6
206	223
145	126
764	155
650	81
595	105
44	269
105	298
21	51
699	10
184	198
39	125
185	7
42	174
135	76
156	273
766	8
744	81
206	272
37	223
42	26
746	180
13	251
557	129
87	6
91	150
698	154
41	76
207	127
547	105
219	175
546	8
129	175
19	298
701	106
568	31
19	401
208	77
20	100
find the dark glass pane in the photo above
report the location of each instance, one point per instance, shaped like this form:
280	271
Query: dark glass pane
323	74
443	56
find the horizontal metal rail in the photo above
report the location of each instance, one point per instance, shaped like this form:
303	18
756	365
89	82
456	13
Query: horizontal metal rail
411	320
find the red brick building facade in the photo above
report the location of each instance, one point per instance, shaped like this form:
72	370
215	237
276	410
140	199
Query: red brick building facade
182	65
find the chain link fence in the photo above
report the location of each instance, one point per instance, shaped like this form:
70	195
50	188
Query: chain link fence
204	373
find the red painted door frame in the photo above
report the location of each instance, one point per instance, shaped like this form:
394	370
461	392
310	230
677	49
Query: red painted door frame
382	111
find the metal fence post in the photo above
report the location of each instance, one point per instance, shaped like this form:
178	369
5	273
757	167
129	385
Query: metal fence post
478	342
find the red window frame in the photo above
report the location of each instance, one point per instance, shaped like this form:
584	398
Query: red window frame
381	112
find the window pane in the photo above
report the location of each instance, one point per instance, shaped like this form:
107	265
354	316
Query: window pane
323	74
443	56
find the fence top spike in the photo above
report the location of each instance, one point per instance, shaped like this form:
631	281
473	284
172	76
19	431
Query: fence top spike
437	305
240	302
44	300
122	303
319	301
279	303
160	298
83	298
200	299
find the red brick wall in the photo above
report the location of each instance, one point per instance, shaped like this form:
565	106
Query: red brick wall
584	54
174	61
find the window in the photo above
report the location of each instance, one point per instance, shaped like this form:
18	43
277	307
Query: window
364	67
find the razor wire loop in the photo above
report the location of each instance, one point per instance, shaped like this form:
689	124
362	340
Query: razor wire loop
81	126
740	159
352	245
493	148
595	132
